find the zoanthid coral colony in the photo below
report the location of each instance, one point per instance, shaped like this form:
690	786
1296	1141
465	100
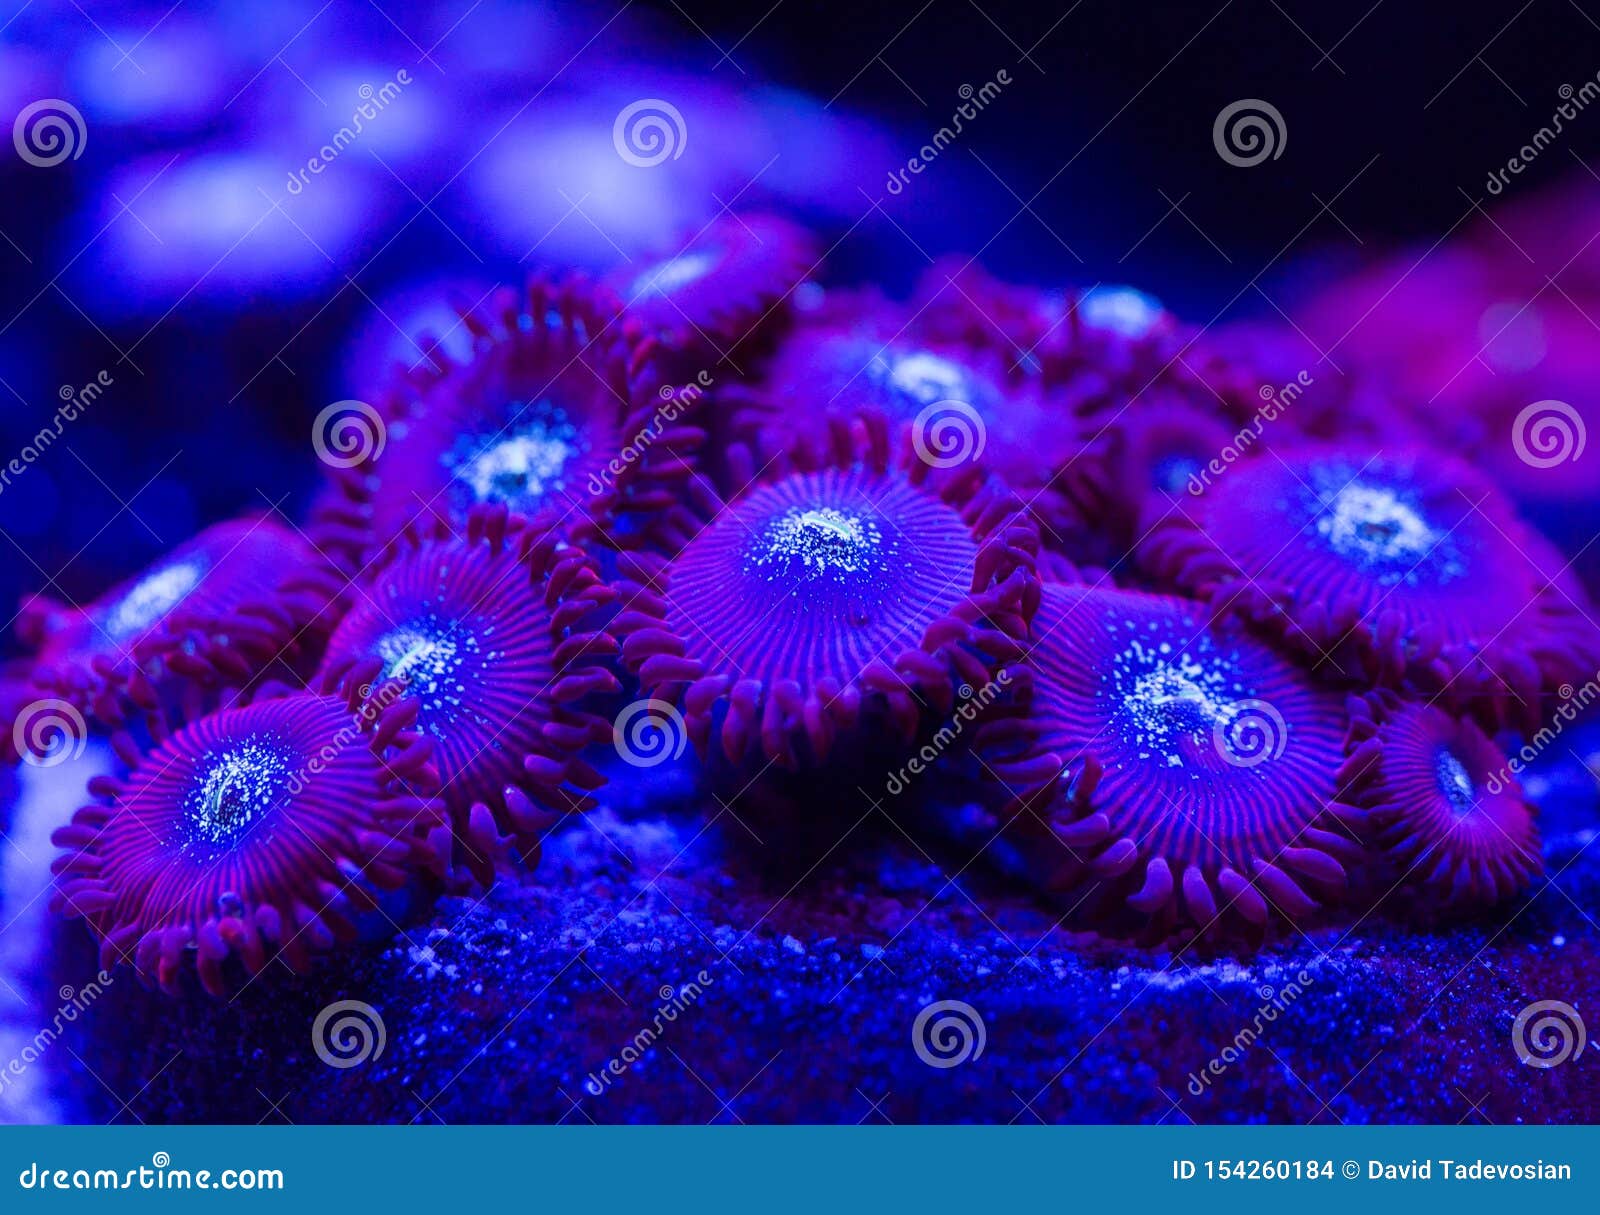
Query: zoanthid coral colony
797	514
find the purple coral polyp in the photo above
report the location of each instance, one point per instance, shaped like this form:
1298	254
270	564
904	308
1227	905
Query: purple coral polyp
221	608
493	634
1179	776
857	352
255	832
730	281
558	387
779	614
1445	810
1404	566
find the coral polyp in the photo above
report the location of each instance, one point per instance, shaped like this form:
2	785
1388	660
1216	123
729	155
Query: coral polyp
492	634
1400	566
875	583
729	283
856	352
254	832
962	399
957	300
1116	329
1178	777
1446	811
224	606
1146	460
554	416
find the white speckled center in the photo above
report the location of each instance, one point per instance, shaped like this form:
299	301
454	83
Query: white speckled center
824	541
1455	783
1373	523
152	597
1167	696
239	785
414	656
429	655
519	468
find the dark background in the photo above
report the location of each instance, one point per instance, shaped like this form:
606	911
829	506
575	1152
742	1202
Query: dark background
1439	93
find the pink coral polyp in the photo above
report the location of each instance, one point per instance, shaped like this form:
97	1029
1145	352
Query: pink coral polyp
221	608
728	283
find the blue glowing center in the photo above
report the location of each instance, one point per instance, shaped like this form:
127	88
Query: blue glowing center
1120	310
152	597
670	275
238	785
924	378
430	654
522	466
1455	783
1172	473
1383	530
